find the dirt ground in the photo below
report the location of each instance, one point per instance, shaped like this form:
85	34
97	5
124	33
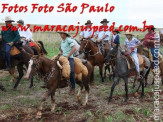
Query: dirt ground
21	105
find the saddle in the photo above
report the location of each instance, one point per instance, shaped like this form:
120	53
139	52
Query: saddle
14	51
79	68
131	64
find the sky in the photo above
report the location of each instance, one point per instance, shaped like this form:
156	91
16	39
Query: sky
126	12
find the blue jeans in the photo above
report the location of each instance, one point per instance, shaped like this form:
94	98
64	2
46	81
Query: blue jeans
72	74
155	52
8	57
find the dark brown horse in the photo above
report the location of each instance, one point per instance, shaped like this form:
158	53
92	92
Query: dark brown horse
18	61
93	55
51	72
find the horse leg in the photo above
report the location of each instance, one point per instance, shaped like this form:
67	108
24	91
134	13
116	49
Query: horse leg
86	94
105	71
101	72
20	70
39	113
146	77
142	84
92	76
53	102
79	92
133	86
12	74
31	83
116	80
126	87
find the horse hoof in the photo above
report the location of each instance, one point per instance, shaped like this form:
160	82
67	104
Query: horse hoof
79	99
136	94
133	86
30	86
84	104
125	100
109	101
39	115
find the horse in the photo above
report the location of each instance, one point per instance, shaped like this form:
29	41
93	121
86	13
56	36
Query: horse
93	55
144	51
51	71
161	36
18	61
121	70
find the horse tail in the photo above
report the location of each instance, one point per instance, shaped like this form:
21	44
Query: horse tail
43	48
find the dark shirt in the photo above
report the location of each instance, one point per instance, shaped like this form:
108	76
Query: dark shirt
116	40
10	35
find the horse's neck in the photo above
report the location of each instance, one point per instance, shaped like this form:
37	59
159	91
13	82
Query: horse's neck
46	64
118	53
93	47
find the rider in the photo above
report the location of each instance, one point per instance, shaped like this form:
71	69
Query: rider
103	38
152	41
25	35
115	38
67	50
87	33
130	46
9	36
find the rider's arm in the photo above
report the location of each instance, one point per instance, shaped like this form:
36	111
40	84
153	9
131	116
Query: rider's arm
72	51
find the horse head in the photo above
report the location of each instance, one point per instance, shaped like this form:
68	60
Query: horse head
111	55
84	45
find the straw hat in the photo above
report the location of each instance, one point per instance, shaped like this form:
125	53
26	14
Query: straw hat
9	19
104	20
129	33
66	33
88	22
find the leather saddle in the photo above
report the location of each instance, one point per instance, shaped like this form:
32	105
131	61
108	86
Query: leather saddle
131	62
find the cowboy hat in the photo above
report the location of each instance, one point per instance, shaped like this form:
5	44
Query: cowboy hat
88	22
129	33
117	31
104	20
66	33
21	21
151	27
9	19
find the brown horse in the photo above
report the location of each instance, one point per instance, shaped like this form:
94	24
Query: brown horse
93	55
51	72
144	51
18	61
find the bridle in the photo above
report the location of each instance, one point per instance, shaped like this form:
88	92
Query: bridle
47	75
88	52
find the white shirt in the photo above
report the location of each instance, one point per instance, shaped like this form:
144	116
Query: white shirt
27	34
76	44
86	33
102	33
133	43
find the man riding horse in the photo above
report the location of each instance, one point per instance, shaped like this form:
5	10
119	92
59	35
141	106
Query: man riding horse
87	33
9	37
103	38
130	46
67	50
25	35
152	42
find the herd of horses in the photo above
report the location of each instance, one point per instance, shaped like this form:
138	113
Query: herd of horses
50	70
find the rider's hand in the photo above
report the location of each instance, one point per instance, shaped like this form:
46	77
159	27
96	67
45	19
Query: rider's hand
99	40
11	43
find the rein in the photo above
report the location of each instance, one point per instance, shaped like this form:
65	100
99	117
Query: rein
89	50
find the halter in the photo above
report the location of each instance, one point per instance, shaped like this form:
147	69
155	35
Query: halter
89	50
